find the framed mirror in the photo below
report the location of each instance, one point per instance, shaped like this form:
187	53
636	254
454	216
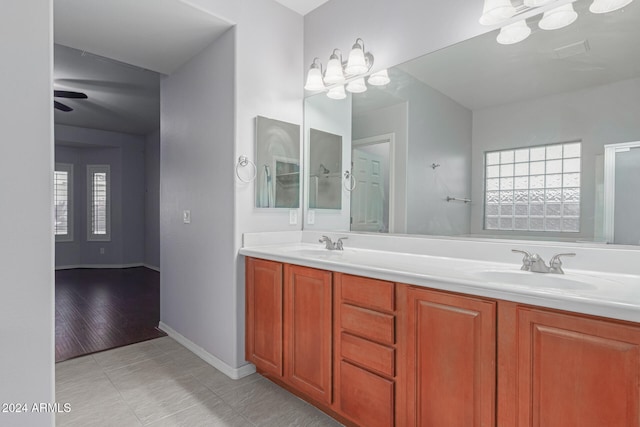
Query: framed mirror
277	164
498	141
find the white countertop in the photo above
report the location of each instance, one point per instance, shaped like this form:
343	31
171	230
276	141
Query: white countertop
605	294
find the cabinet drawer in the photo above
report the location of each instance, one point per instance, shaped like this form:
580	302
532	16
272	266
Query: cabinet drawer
369	293
366	398
366	323
376	357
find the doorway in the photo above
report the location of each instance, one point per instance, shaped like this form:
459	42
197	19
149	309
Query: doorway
372	196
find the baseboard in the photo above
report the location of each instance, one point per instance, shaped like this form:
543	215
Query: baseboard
151	267
233	373
69	267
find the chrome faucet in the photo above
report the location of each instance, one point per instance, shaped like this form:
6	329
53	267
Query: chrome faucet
337	245
327	241
535	263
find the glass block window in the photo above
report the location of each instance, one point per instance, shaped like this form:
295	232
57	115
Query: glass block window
533	188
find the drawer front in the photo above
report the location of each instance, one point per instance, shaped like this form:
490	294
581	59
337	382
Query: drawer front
366	398
369	293
376	357
366	323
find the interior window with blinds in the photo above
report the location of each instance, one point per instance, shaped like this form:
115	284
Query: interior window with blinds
63	202
98	198
533	188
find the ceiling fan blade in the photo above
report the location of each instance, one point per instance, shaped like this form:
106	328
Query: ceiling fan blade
69	94
60	106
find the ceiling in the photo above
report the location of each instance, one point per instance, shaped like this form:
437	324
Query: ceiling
302	6
480	73
159	35
121	98
115	51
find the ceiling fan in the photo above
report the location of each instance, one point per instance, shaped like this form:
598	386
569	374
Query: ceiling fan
66	94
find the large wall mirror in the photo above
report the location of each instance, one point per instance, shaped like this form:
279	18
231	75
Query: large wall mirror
484	140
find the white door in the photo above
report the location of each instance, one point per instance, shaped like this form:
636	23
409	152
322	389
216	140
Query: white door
367	197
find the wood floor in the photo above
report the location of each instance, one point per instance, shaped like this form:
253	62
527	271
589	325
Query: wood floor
99	309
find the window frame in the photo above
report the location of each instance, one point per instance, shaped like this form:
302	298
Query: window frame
91	236
546	189
68	168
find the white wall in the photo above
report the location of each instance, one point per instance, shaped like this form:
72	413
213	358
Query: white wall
600	115
26	183
124	153
197	130
152	200
267	77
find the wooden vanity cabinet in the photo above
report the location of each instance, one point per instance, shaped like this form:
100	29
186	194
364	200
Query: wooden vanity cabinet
308	335
365	350
569	370
379	354
288	325
264	315
448	359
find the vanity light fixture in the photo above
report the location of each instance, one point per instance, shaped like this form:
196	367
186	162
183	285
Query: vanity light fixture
496	11
337	92
559	17
514	33
314	77
339	73
379	78
605	6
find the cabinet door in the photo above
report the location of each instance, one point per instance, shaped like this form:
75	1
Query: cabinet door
576	371
264	315
308	294
450	359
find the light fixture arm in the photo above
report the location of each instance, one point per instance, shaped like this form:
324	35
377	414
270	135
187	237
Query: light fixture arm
334	56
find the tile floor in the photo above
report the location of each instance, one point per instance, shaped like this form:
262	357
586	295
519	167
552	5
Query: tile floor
160	383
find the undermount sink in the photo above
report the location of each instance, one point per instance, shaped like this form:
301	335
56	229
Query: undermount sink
541	280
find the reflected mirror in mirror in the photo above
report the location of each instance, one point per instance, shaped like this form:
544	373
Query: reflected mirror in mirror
277	163
504	141
325	170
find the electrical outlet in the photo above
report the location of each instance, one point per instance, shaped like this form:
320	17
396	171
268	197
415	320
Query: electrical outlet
186	217
101	251
293	216
311	217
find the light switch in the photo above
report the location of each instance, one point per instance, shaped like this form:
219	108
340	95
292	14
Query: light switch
186	217
293	216
311	217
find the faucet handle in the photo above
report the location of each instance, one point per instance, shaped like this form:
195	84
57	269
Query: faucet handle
526	259
339	246
555	263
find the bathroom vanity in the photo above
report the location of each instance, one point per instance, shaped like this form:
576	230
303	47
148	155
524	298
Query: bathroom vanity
439	341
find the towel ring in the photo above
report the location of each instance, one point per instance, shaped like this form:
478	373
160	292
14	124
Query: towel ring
243	161
351	184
